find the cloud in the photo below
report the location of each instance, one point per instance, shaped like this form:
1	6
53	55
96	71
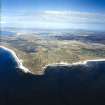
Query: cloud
55	19
75	17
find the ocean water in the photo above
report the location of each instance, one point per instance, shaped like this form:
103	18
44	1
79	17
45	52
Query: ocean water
78	84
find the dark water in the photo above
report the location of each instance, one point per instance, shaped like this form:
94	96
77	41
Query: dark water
60	85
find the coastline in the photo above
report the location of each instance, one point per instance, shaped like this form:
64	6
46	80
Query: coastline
20	65
26	70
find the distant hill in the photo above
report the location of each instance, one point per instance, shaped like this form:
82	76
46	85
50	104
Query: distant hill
94	38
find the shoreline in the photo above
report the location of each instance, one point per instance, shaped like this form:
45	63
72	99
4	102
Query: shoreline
20	64
26	70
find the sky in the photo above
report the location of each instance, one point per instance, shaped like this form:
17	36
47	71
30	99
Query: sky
53	14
